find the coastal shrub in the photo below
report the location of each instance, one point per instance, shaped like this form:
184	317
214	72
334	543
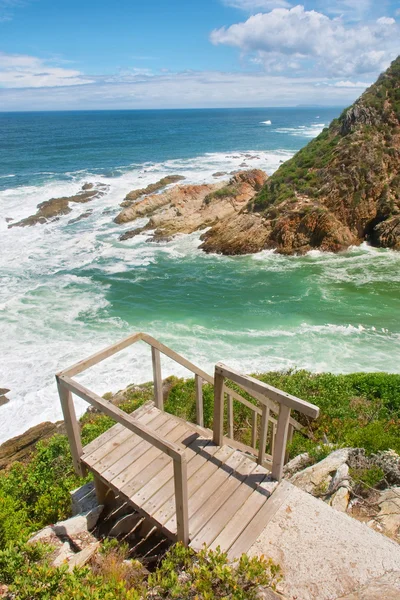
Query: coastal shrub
26	572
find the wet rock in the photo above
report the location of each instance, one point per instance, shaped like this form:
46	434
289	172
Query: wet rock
55	207
219	174
150	189
21	447
84	215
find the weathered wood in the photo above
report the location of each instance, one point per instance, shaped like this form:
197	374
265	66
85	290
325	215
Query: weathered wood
120	416
99	356
278	457
230	416
181	500
289	439
199	400
157	378
102	491
218	424
72	427
263	435
254	423
254	385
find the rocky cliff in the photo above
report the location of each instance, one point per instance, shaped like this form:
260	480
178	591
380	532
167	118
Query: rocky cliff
341	189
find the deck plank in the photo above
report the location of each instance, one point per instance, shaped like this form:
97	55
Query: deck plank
124	449
213	515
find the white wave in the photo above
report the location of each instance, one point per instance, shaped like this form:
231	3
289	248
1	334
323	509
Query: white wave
7	176
308	131
268	122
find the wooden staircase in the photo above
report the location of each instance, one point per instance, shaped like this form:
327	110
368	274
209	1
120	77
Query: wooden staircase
195	485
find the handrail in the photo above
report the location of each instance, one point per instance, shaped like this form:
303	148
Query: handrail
67	386
284	429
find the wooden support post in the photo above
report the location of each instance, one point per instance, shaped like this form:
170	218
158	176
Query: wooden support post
273	436
157	378
101	491
289	439
72	427
181	500
254	422
218	425
199	400
278	459
263	434
230	416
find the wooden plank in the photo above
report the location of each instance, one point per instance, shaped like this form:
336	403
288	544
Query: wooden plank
143	459
254	423
106	456
278	458
209	497
116	413
233	502
218	422
153	470
258	523
199	400
203	526
152	496
129	453
157	378
112	443
181	500
195	481
263	389
71	426
101	355
104	437
263	435
230	416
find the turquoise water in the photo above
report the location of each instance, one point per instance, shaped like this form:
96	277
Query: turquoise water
70	289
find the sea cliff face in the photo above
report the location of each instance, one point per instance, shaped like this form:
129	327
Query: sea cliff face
343	188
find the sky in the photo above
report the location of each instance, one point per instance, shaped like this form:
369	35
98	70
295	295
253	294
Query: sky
98	54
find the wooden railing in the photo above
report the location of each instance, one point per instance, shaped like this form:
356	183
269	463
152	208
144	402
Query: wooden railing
265	394
271	400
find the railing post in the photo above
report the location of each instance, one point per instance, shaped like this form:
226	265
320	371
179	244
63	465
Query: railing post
254	429
263	434
181	500
157	378
199	400
72	427
230	416
218	425
278	459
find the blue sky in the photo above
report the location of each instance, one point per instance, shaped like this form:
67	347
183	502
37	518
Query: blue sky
180	53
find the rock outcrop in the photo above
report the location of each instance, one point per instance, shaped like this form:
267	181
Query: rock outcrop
150	189
55	207
188	208
21	447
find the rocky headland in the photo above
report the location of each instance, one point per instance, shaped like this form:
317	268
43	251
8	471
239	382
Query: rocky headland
341	189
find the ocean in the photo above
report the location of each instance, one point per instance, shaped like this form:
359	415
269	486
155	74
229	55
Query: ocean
68	290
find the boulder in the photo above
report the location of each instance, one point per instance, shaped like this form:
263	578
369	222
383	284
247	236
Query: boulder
340	499
317	479
389	512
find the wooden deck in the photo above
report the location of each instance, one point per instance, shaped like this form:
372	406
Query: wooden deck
226	488
196	485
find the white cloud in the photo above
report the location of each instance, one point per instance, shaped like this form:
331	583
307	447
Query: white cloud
352	84
23	71
180	90
255	5
386	21
329	46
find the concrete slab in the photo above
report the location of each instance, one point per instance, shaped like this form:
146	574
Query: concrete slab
324	554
